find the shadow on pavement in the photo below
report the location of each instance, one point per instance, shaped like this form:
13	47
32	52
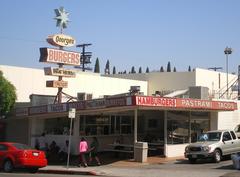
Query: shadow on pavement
105	159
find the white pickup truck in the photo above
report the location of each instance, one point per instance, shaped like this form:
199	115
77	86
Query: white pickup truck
213	144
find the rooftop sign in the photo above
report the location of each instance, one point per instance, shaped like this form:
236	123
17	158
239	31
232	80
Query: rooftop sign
50	55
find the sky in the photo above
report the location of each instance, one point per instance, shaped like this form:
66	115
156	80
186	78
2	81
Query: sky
139	33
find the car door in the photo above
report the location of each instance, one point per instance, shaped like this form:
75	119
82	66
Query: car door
235	142
3	152
227	146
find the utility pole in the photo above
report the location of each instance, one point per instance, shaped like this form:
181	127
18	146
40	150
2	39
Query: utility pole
85	57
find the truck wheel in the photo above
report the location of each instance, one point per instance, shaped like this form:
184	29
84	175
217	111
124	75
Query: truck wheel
217	156
192	160
8	166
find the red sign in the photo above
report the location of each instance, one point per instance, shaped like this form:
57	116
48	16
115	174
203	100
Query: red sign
184	103
59	56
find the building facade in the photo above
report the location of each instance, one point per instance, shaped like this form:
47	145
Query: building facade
154	114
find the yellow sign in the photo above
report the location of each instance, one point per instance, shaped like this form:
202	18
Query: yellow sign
61	40
57	84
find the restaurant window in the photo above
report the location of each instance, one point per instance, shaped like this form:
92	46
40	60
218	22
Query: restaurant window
57	126
97	125
126	125
177	127
200	122
105	125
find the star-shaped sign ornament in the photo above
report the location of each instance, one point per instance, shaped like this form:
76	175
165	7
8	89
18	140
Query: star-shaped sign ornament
61	17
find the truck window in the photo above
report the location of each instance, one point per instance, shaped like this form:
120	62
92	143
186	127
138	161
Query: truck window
233	135
226	136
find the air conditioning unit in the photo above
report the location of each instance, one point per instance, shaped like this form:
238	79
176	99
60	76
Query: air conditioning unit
88	96
199	92
81	96
84	96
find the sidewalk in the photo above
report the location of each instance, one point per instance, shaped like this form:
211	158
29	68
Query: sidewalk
105	168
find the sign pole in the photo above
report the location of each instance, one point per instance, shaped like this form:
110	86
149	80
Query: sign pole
71	115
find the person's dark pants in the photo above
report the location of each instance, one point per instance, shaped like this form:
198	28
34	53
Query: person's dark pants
82	158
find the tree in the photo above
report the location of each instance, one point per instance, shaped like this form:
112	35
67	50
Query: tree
107	68
161	69
147	70
174	69
140	70
97	67
133	70
169	67
114	70
189	68
7	95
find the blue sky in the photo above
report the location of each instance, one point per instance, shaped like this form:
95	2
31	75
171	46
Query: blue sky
126	32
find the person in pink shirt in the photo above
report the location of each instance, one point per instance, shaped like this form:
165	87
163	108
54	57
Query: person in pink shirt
83	149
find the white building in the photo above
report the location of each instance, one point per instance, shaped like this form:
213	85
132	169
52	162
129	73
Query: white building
167	124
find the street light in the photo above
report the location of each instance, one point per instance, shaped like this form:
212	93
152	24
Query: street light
227	52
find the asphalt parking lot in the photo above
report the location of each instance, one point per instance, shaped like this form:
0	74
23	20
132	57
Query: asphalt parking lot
178	168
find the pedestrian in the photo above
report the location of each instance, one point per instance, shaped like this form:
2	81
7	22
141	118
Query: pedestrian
83	149
94	151
64	151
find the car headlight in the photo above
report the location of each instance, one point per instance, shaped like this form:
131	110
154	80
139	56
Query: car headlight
206	148
187	149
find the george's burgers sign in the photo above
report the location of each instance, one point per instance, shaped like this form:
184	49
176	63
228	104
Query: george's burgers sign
50	55
61	40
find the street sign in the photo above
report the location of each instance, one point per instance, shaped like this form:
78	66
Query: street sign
72	113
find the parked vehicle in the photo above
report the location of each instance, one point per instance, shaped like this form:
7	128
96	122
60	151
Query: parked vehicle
16	155
213	144
237	131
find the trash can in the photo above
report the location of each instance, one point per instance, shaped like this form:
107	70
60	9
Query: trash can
140	151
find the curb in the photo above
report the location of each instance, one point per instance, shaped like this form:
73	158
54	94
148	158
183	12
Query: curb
70	172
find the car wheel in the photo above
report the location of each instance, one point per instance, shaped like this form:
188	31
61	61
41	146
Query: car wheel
192	160
217	156
8	166
33	170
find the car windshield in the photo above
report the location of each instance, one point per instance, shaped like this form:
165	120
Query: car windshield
211	136
21	146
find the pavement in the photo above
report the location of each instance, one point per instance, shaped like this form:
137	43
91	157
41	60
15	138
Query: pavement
128	167
104	170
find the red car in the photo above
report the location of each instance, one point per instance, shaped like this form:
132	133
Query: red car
16	155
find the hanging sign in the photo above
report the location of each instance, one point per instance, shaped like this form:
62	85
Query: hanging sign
50	55
61	40
59	72
57	84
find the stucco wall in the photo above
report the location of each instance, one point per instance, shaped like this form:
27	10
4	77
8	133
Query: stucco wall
229	120
215	81
175	150
32	81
